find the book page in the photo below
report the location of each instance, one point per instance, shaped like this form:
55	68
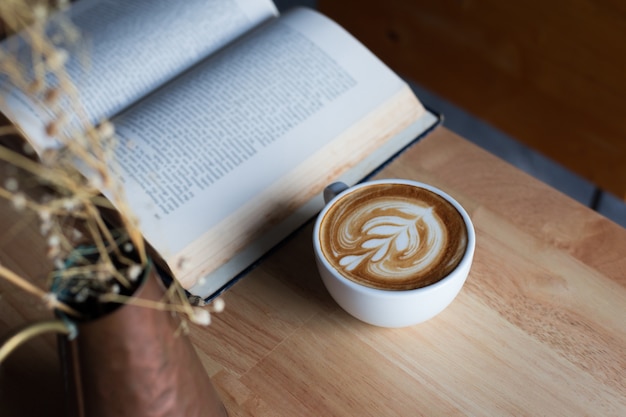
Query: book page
131	47
303	187
216	138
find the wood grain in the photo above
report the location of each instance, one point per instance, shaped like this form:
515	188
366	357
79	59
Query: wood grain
551	74
538	329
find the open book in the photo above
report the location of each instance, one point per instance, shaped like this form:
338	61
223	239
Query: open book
232	119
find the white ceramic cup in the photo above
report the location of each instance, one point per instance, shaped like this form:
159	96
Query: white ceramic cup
391	308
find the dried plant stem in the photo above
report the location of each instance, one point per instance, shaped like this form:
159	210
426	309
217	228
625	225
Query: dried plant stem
57	177
25	285
180	294
9	196
100	244
105	234
78	271
8	130
140	302
67	183
100	232
56	326
20	282
63	189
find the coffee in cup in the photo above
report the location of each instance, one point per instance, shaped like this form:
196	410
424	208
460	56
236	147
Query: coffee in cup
393	243
393	236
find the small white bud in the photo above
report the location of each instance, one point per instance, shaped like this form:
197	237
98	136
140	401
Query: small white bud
11	184
57	59
40	12
106	130
76	234
45	227
45	215
96	181
59	264
218	305
55	127
19	201
133	272
201	316
69	204
28	149
54	241
50	300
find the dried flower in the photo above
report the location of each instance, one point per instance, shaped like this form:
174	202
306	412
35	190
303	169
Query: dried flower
51	97
45	218
57	59
36	86
28	149
133	272
76	235
19	201
54	241
45	215
84	252
54	246
59	264
62	4
96	181
50	300
106	130
54	127
71	204
11	184
218	305
40	12
200	316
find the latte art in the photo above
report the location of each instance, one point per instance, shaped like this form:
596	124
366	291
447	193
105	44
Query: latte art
393	236
402	239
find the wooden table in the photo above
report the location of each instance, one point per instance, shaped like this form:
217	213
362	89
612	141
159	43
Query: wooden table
538	329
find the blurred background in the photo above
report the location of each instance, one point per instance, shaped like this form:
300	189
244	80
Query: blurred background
536	83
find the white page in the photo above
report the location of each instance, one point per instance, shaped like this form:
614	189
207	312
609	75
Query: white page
211	284
134	46
251	88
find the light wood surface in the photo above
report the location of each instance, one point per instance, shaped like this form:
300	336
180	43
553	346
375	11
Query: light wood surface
538	329
549	73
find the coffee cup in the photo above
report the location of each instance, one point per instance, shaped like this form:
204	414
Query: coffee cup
393	253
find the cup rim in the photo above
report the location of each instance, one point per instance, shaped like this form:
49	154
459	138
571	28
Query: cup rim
467	256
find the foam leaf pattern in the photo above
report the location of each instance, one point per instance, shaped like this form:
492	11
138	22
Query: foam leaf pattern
404	238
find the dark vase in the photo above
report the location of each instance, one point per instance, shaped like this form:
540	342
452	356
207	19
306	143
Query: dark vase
135	361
